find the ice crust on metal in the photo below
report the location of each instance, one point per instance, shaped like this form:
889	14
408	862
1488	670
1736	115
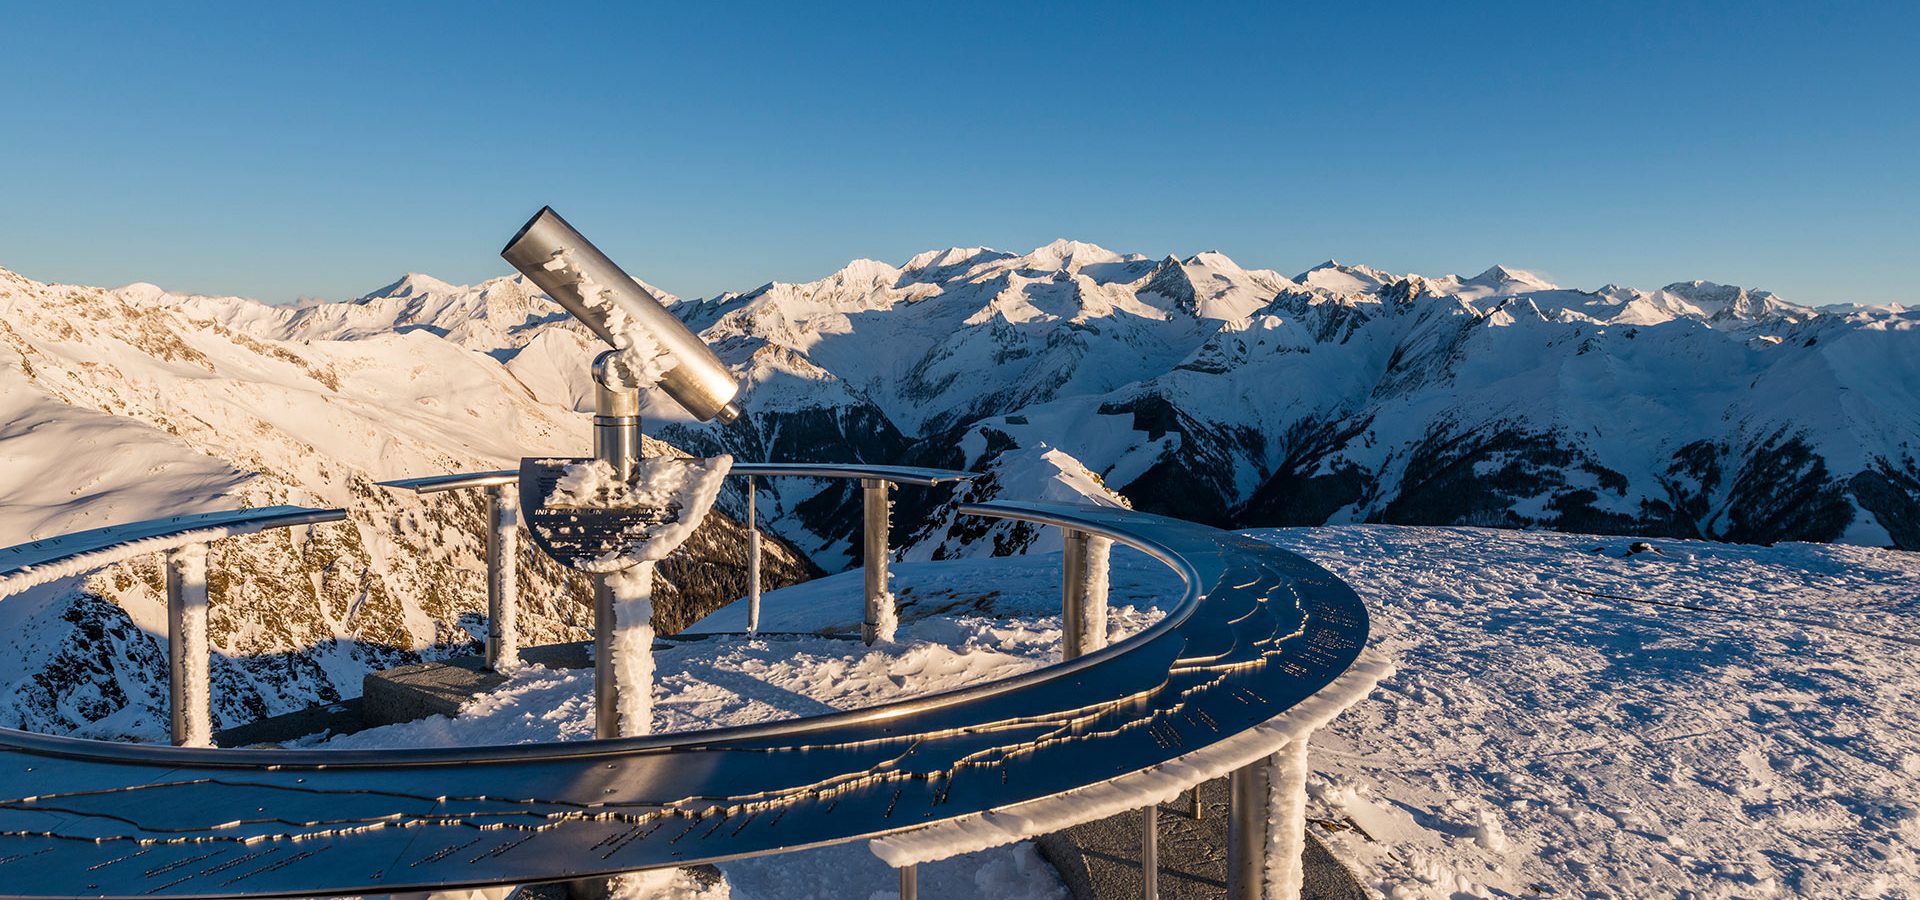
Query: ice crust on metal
1258	631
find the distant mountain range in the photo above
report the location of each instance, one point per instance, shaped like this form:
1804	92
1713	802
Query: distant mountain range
1192	387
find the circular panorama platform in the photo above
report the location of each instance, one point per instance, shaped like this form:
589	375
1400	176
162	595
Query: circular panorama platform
1258	631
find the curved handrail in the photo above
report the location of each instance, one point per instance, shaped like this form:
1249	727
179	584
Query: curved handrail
1055	514
1257	630
915	475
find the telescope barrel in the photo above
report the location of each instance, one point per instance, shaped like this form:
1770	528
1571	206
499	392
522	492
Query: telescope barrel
579	277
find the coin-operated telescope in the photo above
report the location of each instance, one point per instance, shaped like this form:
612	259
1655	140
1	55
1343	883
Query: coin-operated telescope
615	515
627	316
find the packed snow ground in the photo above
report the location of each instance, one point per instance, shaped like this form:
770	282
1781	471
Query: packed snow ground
1702	720
1553	732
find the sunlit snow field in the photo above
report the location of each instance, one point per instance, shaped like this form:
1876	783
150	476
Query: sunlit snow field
1703	720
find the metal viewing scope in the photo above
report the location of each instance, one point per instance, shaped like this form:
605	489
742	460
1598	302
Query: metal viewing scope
579	277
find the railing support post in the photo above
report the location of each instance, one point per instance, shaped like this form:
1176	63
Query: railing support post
882	619
909	882
1264	863
1247	797
1150	851
1289	815
753	563
503	588
189	666
1083	592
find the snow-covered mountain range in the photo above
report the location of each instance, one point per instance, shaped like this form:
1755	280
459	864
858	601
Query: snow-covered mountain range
1193	387
1244	397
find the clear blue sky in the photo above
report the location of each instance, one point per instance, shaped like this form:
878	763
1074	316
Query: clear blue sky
279	150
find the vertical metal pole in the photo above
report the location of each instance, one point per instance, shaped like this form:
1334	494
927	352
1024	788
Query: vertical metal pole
606	690
1150	850
753	563
616	440
1289	838
189	675
1247	797
1083	592
909	882
878	514
503	589
1199	810
1073	593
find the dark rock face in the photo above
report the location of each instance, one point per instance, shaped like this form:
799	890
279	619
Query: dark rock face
1194	475
1784	491
1892	494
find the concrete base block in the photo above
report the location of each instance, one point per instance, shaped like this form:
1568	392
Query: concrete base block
408	693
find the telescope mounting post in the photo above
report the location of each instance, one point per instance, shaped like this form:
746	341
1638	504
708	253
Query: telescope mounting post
616	441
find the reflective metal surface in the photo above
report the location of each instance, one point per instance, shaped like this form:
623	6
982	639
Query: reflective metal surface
753	562
579	277
433	484
1257	630
913	475
616	416
1150	851
1249	794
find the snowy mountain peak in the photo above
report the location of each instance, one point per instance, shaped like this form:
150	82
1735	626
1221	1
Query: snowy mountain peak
414	284
1727	301
1214	259
1508	280
865	272
1068	256
1344	279
952	257
140	292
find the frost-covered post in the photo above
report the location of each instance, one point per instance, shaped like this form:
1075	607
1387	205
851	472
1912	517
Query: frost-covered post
882	619
503	590
1267	824
190	694
1083	592
753	564
616	442
1287	820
